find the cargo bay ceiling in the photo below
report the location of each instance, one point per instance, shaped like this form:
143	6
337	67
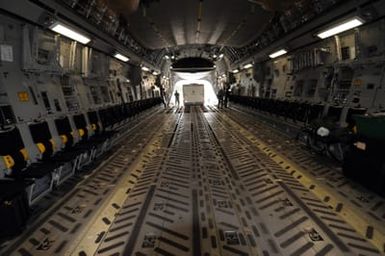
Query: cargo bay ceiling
171	23
200	28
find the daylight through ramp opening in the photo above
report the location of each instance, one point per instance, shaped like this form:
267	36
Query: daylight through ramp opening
202	78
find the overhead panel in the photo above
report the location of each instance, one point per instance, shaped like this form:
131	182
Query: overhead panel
244	22
173	23
165	24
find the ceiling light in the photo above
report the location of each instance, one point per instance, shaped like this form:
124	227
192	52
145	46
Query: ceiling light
247	66
221	55
155	73
70	33
235	71
121	57
166	57
278	53
145	69
345	26
214	56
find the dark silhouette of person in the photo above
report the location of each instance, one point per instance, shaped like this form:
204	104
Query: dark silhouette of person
220	96
227	95
177	98
163	96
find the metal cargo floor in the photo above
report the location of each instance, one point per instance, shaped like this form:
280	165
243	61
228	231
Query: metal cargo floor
212	182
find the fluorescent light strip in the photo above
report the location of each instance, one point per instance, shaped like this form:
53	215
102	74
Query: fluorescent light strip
277	54
248	66
121	57
70	33
347	25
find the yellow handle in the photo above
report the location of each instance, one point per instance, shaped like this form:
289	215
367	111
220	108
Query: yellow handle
64	139
41	147
81	132
24	152
9	162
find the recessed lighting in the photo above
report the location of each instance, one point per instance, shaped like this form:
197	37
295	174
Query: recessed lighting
247	66
121	57
278	53
69	32
345	26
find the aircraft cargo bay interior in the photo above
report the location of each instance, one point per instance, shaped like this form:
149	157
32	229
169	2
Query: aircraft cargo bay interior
192	127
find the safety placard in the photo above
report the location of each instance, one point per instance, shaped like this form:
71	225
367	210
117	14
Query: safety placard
6	53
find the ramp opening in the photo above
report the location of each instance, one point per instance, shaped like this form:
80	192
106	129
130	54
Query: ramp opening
198	79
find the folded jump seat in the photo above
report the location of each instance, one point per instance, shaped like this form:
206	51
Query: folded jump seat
37	175
99	133
70	151
14	209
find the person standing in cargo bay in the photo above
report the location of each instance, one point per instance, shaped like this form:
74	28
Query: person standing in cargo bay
220	96
176	98
227	95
